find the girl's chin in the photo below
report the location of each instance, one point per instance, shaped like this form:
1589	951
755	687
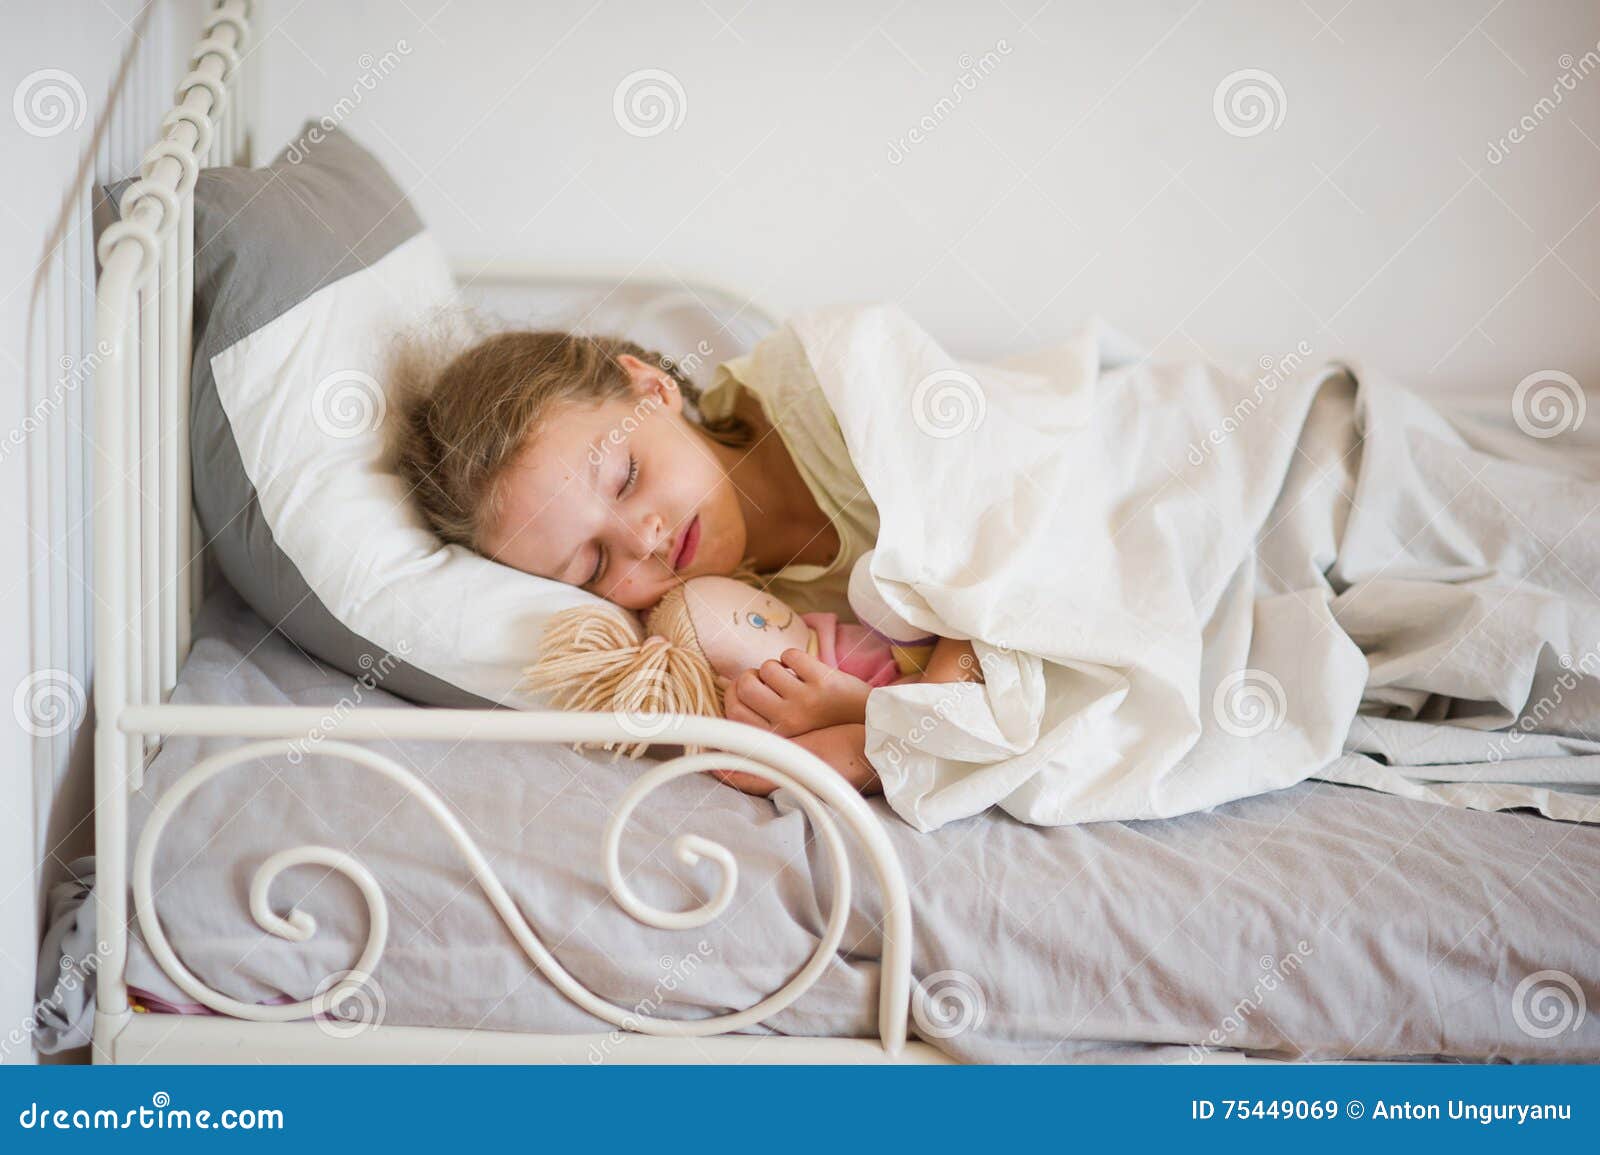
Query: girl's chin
724	563
710	555
727	544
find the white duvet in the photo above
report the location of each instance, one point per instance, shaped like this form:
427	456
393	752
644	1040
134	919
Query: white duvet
1184	588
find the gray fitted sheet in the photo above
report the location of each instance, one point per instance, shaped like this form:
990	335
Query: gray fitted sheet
1321	922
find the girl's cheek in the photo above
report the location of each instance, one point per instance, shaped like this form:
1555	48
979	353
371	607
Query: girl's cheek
623	592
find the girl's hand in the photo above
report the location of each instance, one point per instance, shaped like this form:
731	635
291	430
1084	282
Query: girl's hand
842	747
795	695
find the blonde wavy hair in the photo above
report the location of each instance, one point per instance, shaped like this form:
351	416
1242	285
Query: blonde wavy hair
470	399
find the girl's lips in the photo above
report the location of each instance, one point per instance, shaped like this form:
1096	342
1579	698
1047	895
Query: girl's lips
687	546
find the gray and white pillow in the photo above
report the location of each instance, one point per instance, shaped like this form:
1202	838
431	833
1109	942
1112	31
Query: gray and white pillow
304	272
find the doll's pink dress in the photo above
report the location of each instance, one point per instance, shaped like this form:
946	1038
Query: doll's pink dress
854	649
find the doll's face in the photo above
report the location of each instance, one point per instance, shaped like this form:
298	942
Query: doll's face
740	627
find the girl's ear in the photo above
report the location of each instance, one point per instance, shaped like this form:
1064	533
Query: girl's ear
653	382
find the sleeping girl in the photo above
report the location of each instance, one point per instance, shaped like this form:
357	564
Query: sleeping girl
594	462
1159	631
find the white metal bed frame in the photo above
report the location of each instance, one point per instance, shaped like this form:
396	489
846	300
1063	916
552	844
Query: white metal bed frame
146	576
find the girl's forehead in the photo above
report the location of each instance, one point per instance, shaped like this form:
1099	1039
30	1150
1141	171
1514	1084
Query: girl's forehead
546	501
572	438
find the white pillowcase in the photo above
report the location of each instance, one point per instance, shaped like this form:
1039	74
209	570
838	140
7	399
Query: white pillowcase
305	400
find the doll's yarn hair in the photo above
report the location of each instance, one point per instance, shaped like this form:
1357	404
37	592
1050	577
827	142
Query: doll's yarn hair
600	658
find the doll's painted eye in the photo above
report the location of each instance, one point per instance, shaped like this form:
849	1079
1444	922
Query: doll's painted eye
758	621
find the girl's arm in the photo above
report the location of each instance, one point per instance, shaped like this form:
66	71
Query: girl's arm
801	694
845	749
952	661
842	747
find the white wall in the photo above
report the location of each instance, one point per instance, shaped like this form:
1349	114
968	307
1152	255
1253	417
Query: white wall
99	121
1085	173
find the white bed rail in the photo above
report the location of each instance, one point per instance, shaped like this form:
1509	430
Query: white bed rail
145	571
146	578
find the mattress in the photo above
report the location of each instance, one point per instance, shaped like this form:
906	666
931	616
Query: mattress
1323	921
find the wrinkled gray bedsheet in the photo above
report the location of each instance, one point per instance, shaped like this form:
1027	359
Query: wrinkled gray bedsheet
1323	921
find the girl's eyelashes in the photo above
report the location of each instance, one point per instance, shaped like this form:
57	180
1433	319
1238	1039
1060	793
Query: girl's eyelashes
629	480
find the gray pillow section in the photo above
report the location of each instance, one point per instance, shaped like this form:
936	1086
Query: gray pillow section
265	240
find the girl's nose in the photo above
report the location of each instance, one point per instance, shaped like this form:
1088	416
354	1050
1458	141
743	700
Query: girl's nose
652	534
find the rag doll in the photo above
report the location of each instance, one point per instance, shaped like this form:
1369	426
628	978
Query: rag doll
704	634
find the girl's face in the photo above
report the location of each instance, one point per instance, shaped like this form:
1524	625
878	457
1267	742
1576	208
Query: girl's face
625	498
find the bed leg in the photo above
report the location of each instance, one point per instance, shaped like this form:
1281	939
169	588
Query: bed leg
106	1029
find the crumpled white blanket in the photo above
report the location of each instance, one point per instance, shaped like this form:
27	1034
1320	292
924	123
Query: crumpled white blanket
1183	588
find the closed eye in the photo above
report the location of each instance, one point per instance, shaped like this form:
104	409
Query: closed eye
628	482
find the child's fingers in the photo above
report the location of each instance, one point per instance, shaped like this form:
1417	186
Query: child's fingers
736	711
805	666
777	676
757	695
